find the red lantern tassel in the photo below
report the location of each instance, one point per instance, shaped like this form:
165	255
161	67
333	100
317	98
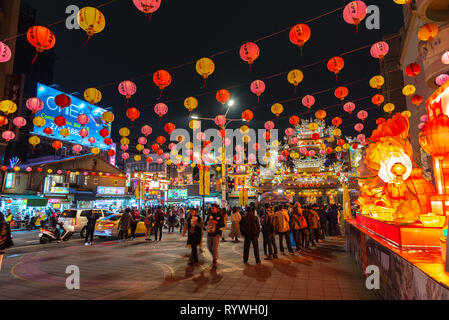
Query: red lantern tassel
301	51
258	99
85	43
151	16
127	102
250	67
204	84
160	96
295	89
34	59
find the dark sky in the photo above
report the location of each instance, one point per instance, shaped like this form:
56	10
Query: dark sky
184	31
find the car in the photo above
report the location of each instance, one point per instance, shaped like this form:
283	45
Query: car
107	227
75	220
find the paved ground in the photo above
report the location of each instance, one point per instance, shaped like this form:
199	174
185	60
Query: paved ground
142	270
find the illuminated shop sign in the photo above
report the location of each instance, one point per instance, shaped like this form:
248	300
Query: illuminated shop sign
111	190
59	190
177	194
9	183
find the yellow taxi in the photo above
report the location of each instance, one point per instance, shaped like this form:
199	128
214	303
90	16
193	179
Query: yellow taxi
108	227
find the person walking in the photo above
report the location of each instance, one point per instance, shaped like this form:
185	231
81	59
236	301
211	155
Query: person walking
194	229
5	237
297	224
215	226
149	220
323	222
134	221
158	223
182	218
171	222
235	225
124	224
332	217
250	228
92	218
282	227
224	213
268	232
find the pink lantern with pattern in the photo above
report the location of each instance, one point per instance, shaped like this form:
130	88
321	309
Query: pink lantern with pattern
269	125
82	119
5	53
125	156
127	88
258	87
19	122
161	109
379	50
146	130
83	132
77	148
142	140
35	104
349	107
8	135
362	115
354	13
359	127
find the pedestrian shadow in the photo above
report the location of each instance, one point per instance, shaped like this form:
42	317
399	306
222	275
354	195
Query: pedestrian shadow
259	272
284	266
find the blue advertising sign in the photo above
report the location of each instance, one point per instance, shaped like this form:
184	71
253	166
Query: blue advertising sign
51	111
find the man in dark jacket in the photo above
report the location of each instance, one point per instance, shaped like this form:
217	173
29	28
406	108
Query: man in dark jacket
215	225
268	232
158	223
194	228
250	229
124	223
135	220
332	217
92	218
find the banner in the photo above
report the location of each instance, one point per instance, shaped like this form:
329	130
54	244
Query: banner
245	197
201	182
241	204
207	181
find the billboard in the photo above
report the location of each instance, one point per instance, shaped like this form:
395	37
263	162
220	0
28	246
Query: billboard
179	194
51	111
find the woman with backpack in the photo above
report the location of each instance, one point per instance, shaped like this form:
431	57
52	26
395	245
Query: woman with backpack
5	237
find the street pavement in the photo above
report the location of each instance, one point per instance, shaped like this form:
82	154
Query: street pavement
142	270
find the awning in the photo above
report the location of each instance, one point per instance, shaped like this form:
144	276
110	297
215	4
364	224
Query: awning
32	200
82	195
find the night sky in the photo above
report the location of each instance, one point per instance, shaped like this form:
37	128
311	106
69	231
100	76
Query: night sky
181	32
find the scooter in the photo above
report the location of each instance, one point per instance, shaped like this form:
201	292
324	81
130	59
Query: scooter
47	235
31	224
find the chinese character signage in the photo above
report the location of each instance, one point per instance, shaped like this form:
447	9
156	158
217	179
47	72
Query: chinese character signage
111	190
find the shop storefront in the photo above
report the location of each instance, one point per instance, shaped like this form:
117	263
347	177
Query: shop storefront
22	205
113	198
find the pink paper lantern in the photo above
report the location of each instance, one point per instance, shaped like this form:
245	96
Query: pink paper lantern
201	136
127	88
92	140
147	6
59	172
252	158
323	151
308	101
166	156
269	125
303	150
249	52
421	126
77	148
359	127
35	104
349	107
258	87
159	161
161	109
445	58
19	122
8	135
441	79
172	146
125	156
227	142
281	157
82	119
294	140
312	153
85	173
124	147
361	137
189	152
362	115
354	12
29	169
83	132
289	132
5	53
220	120
146	152
146	130
142	140
379	50
238	148
424	118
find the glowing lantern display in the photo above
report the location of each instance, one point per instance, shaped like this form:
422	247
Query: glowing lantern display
5	53
379	50
91	20
104	133
19	122
48	131
133	114
354	13
108	117
277	109
124	132
223	96
34	141
378	99
83	119
34	104
41	38
125	156
107	141
362	115
169	127
8	135
409	90
162	79
349	107
247	115
413	70
389	108
341	93
258	87
39	122
320	114
83	132
313	126
337	121
295	77
377	82
249	52
8	107
161	109
433	138
92	95
428	32
220	120
63	101
300	34
441	79
92	140
191	103
77	148
146	130
335	65
64	132
60	121
269	125
294	120
417	100
56	145
308	101
205	67
128	89
148	6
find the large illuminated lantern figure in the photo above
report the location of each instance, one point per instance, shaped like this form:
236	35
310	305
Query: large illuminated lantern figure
392	190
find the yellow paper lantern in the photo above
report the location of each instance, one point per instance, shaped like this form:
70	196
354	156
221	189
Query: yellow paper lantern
320	114
34	141
295	77
92	95
244	129
336	132
137	158
218	169
189	145
406	113
108	117
39	122
91	20
77	173
16	169
205	67
64	132
124	132
50	171
8	106
346	146
389	107
409	90
377	82
313	126
193	165
124	141
95	150
179	157
191	103
275	143
174	152
338	149
246	139
194	124
277	109
140	147
322	146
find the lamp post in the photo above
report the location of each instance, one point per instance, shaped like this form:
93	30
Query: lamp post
224	170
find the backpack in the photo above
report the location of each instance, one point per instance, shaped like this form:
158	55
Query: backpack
249	226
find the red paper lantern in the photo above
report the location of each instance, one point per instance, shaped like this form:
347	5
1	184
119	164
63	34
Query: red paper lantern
223	96
48	130
111	153
82	119
149	159
315	136
341	142
335	65
341	93
380	121
160	152
162	79
41	38
247	115
3	121
413	70
417	100
63	101
161	140
169	127
104	133
155	147
294	120
56	145
285	153
60	121
329	150
107	141
378	99
300	34
132	114
337	121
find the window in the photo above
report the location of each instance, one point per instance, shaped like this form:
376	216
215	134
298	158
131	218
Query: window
73	178
84	213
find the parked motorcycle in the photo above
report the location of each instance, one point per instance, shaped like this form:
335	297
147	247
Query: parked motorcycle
46	235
